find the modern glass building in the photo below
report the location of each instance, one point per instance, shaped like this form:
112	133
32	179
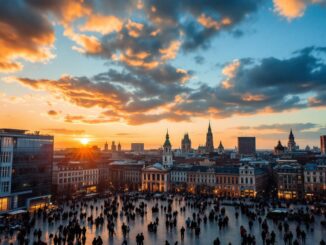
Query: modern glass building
25	169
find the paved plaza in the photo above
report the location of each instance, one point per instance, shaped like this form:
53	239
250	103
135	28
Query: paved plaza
181	209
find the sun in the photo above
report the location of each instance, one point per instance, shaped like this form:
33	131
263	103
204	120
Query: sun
84	141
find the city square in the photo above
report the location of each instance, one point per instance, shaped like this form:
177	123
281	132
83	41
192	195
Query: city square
151	216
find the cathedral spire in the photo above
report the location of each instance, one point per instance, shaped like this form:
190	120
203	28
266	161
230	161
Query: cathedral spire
167	152
291	143
291	134
209	139
167	139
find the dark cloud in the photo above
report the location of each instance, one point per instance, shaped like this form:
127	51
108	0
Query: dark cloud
137	119
264	86
280	131
199	59
283	127
24	33
53	113
145	36
269	85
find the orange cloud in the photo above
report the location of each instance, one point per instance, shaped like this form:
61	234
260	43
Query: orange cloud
209	22
90	120
52	113
87	44
33	46
79	92
72	10
230	71
134	28
137	60
102	24
171	51
184	72
253	97
65	131
293	8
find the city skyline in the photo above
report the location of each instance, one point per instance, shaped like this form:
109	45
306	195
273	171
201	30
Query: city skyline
107	71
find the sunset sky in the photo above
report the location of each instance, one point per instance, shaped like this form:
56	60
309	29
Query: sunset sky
129	70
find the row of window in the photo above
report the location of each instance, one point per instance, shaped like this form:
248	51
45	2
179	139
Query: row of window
6	142
5	157
246	180
94	172
178	174
33	143
4	187
227	180
157	177
246	172
70	174
179	179
314	172
5	171
77	179
314	179
201	180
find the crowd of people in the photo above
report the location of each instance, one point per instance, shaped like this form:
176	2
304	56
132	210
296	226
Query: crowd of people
69	222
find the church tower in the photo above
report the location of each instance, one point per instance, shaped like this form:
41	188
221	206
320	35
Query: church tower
113	147
209	140
291	143
167	152
220	148
106	146
186	144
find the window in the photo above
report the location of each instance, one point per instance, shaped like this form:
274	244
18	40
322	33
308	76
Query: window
5	171
4	204
5	157
4	186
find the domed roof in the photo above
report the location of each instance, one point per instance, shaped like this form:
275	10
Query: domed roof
279	146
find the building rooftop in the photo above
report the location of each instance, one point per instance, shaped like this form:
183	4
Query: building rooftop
22	132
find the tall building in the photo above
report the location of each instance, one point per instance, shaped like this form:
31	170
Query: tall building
186	144
323	144
106	146
26	169
209	140
113	147
247	145
290	183
119	147
70	177
291	143
137	147
167	152
314	180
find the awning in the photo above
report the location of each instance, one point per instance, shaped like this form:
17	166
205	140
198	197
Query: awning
15	212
